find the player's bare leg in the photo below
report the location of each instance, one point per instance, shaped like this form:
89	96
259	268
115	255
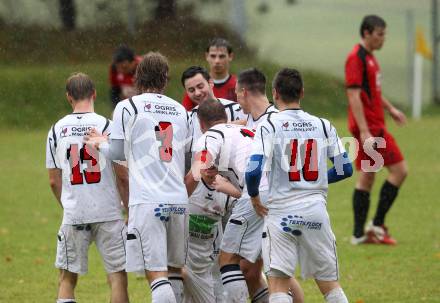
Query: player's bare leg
297	291
279	286
161	290
118	284
67	284
365	180
255	282
397	173
332	291
232	278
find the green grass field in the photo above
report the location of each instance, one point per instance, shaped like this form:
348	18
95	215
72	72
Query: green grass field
409	272
32	97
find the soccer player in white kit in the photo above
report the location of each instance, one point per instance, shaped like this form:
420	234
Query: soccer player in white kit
242	242
152	130
206	208
295	147
84	184
227	147
198	86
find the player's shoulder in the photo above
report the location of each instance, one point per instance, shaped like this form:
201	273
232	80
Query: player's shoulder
224	129
226	102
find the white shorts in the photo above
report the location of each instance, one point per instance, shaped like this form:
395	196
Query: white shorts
199	287
205	235
74	241
156	237
242	235
300	234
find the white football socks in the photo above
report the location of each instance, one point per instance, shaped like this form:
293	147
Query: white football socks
336	295
280	297
161	291
234	284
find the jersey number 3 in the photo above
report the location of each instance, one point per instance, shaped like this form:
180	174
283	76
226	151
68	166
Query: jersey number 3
164	133
310	167
92	173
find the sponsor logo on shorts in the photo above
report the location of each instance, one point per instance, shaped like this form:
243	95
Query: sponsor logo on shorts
293	224
201	227
163	211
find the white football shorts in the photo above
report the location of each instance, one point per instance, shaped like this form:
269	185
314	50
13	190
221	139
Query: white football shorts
74	241
301	234
242	235
156	237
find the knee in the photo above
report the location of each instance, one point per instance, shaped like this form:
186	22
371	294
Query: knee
227	258
67	278
118	279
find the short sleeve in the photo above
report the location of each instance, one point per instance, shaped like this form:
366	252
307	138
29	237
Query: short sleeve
208	147
238	112
334	143
353	72
51	150
263	140
121	116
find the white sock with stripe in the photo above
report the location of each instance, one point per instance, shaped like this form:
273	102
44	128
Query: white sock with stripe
234	284
161	291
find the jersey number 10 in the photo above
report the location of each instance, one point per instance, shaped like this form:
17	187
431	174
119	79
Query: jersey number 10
310	167
92	173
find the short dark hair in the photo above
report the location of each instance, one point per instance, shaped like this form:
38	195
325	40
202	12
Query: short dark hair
79	86
152	72
289	84
219	42
370	22
253	80
123	53
211	110
192	71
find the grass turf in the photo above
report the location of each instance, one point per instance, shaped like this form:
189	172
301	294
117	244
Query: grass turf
409	272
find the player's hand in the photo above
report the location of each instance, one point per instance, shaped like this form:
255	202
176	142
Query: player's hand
364	136
94	138
398	116
260	209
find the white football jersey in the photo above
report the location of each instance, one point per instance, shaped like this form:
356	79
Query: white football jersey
233	112
296	146
155	130
253	123
89	193
207	201
230	146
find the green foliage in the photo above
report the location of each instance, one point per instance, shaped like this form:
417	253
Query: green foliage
34	95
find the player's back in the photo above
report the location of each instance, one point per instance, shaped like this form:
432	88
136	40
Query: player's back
233	113
302	144
155	129
89	193
230	145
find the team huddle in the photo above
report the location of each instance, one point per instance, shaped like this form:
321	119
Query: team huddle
214	196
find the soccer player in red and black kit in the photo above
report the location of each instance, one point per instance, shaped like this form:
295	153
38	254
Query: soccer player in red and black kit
366	120
121	74
219	55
